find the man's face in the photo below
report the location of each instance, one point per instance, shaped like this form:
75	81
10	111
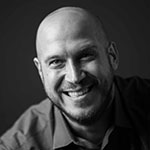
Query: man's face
75	70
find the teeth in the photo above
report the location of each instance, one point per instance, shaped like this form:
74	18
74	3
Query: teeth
79	93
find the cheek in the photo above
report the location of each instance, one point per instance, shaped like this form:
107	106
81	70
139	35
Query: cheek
52	80
92	68
97	68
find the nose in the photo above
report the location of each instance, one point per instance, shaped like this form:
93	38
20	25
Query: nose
74	73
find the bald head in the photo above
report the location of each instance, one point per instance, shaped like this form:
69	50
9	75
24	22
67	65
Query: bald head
75	63
69	21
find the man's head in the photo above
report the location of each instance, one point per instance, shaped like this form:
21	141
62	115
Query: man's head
76	62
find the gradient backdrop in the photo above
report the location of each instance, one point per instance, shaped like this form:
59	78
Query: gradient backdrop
127	22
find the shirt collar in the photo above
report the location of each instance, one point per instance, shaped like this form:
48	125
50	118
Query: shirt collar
62	135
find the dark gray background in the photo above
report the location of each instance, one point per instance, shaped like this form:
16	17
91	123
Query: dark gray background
127	22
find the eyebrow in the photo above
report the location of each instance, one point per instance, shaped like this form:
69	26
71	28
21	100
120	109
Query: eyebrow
88	49
88	46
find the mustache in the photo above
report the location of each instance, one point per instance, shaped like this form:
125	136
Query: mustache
86	82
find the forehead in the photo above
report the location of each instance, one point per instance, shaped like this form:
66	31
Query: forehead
66	24
66	27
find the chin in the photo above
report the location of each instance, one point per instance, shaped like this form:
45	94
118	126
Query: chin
82	115
88	114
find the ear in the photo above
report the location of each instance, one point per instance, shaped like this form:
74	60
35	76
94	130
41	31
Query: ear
39	67
113	55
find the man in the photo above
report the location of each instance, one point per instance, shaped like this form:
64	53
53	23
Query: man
87	106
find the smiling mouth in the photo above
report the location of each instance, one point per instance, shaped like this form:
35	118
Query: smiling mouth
78	93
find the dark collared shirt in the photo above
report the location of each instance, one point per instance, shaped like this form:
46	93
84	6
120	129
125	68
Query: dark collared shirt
42	126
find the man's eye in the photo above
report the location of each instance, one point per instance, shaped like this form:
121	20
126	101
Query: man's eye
87	57
56	63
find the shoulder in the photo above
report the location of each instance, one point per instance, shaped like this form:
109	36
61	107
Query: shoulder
135	87
134	90
134	95
32	123
135	81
